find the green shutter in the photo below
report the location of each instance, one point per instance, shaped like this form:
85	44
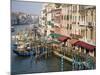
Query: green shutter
50	23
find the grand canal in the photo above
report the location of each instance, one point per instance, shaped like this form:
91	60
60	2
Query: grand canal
23	65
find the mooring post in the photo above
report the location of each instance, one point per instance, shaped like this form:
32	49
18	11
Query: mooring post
46	52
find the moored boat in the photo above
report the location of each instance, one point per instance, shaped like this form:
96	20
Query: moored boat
21	50
23	53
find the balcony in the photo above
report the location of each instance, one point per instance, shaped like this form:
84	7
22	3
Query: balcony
82	23
57	14
90	25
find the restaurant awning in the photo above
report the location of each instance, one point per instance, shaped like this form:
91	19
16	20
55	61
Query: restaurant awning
63	38
73	41
85	45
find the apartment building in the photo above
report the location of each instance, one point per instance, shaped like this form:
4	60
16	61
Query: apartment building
87	24
76	21
79	21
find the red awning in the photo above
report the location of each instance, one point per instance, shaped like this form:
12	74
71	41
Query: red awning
73	41
85	45
63	38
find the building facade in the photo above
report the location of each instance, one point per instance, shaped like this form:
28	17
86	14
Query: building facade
76	21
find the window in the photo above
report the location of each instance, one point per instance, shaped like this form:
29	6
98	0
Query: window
79	18
67	26
62	17
91	33
82	18
70	26
67	17
70	16
75	18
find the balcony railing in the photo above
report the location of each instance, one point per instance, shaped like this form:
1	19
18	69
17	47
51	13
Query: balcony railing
82	23
88	24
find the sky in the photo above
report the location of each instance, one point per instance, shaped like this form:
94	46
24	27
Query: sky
26	7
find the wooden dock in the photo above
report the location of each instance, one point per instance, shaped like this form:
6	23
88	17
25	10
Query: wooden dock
65	57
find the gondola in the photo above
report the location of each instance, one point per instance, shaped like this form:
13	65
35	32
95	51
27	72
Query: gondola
26	53
22	53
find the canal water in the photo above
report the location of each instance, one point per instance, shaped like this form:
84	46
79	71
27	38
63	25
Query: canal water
25	65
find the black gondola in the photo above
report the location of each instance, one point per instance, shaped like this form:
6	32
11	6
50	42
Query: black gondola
22	53
26	53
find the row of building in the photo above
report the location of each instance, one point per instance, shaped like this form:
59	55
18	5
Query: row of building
73	20
23	18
